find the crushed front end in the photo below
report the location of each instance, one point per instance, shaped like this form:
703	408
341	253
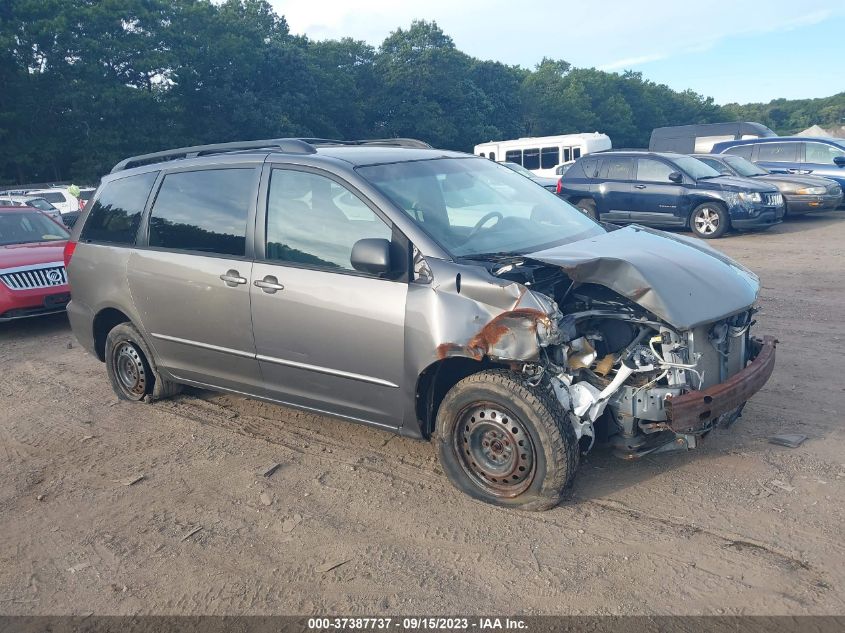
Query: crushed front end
626	376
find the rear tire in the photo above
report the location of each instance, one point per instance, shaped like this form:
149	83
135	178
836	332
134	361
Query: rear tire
709	220
505	442
588	208
131	368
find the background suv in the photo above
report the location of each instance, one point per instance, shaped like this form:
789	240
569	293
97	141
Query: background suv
801	193
666	189
792	154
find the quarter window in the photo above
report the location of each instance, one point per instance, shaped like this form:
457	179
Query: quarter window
203	211
531	158
492	155
649	170
315	221
822	154
513	156
549	157
116	213
778	152
591	167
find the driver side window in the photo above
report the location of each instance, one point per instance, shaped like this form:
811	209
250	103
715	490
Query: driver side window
314	221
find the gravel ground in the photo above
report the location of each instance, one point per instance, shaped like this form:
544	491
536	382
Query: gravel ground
358	521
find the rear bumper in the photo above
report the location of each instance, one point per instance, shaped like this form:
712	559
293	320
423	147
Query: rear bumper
695	410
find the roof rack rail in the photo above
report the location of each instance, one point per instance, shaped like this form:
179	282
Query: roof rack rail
288	145
378	142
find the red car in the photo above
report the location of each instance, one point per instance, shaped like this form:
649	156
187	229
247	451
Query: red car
32	271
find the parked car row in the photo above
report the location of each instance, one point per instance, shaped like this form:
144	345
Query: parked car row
65	199
710	193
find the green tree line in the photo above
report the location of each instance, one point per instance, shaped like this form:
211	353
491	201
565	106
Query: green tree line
85	83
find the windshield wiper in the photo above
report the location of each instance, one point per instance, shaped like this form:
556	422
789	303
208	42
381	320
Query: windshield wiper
494	256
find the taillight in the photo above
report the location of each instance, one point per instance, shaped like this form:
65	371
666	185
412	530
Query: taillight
68	252
559	187
81	204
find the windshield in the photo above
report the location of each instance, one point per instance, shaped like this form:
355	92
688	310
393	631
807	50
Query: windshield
744	167
694	168
26	227
474	206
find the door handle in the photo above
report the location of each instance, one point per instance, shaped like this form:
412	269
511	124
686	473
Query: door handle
639	186
232	278
269	284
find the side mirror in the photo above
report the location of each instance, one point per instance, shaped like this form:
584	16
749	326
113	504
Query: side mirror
371	255
676	177
839	161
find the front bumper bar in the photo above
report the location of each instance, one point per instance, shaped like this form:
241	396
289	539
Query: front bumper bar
695	410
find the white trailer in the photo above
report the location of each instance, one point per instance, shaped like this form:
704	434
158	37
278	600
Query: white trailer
542	154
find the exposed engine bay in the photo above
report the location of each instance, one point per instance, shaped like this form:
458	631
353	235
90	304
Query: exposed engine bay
614	366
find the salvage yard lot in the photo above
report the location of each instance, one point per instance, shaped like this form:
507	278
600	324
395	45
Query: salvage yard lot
359	521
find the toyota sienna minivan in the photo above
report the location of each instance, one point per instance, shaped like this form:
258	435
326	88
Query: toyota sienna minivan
431	293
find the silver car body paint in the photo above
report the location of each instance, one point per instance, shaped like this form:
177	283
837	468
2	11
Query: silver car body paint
358	347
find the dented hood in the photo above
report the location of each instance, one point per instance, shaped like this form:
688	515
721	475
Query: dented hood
679	279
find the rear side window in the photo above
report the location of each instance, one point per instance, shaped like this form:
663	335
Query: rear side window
741	150
116	213
203	211
778	152
617	168
513	156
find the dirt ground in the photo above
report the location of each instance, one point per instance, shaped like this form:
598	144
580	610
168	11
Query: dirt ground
362	522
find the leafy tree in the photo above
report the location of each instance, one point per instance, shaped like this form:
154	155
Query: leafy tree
85	83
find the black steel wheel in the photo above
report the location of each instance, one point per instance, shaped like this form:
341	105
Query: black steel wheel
131	367
495	449
506	442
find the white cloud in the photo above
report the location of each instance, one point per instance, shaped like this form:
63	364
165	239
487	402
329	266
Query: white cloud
630	62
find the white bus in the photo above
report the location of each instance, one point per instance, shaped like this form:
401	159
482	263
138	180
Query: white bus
542	154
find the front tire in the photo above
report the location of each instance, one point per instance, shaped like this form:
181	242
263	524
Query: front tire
709	220
131	368
505	442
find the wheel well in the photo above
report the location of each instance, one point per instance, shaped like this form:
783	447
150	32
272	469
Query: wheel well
104	322
436	381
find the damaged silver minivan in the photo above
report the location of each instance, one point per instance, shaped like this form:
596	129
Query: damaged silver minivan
432	293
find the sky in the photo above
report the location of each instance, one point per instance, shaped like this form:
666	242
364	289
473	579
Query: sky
734	51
